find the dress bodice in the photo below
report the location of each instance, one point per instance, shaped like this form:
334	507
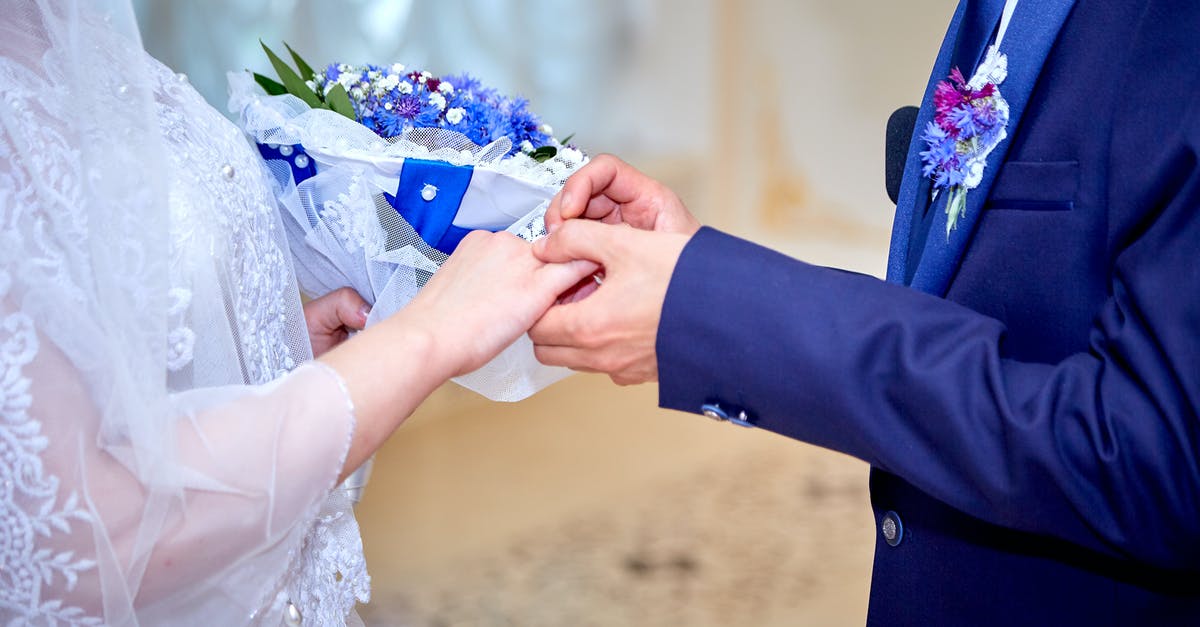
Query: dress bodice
225	232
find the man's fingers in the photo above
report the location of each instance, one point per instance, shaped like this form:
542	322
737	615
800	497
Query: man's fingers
573	358
590	180
560	277
595	191
558	326
578	239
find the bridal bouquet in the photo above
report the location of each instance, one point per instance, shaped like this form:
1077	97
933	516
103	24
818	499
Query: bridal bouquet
382	170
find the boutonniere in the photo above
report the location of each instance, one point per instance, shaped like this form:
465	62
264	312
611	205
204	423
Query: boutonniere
969	121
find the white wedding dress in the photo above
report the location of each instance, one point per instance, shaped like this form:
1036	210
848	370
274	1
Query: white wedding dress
166	454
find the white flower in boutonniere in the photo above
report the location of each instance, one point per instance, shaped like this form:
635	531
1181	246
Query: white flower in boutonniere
969	121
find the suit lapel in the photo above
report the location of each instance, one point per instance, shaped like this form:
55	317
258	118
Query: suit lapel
911	195
1031	35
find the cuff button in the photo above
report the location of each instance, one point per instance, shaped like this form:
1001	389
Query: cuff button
714	411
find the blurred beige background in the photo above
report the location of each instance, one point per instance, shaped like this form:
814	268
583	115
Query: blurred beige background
586	505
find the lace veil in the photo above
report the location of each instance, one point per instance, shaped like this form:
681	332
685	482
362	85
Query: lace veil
163	454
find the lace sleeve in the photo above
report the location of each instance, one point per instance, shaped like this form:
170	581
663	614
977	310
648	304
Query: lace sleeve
208	532
135	486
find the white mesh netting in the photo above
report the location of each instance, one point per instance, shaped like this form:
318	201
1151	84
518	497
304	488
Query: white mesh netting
343	232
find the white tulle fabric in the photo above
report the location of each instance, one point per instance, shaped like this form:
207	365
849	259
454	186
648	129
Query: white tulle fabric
166	455
343	232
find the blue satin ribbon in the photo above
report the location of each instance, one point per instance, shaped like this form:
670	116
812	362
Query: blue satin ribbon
296	151
431	214
432	219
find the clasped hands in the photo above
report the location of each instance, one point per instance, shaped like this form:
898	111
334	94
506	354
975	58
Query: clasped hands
632	227
590	295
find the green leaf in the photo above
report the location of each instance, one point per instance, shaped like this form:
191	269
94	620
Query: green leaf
567	139
306	71
292	81
544	153
955	206
339	101
272	87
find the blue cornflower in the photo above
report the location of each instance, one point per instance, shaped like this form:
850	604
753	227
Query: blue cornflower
429	116
468	88
963	118
479	112
389	124
524	126
480	122
934	134
942	150
949	176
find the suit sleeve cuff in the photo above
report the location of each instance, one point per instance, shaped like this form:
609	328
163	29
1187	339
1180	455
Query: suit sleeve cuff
749	332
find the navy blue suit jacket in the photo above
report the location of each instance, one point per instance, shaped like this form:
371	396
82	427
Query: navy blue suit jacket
1029	403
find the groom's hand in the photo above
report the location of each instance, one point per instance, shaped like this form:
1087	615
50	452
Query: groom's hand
614	192
614	329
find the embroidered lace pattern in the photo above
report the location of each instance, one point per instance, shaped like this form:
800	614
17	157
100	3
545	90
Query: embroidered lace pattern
224	230
220	204
29	497
32	509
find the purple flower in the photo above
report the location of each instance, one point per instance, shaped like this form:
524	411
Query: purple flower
964	119
408	107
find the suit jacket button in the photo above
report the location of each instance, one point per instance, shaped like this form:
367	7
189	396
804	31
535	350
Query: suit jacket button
892	528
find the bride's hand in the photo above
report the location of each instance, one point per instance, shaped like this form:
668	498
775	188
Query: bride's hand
332	317
488	293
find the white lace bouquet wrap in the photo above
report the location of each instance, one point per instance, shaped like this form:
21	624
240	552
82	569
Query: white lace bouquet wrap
380	215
